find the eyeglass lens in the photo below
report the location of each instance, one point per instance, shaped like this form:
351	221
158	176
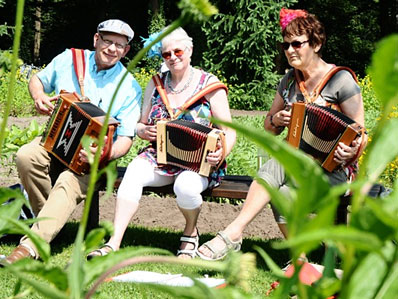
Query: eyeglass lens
108	43
295	44
177	52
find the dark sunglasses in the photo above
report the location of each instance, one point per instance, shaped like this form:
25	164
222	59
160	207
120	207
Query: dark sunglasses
295	44
177	52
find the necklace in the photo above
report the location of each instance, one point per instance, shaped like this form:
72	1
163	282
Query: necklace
177	91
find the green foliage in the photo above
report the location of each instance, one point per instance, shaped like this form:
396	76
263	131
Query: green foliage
242	45
5	62
144	75
22	105
358	24
16	137
370	102
156	24
250	96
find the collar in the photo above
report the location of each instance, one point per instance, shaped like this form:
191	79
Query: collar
103	73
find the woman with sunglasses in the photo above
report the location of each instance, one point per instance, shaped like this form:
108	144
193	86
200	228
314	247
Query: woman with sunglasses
303	41
180	82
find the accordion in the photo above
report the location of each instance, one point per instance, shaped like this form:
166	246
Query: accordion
317	130
73	117
186	144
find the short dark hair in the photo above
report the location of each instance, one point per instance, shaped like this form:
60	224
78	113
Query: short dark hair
310	26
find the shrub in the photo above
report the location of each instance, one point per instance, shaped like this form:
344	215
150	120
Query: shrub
22	104
242	45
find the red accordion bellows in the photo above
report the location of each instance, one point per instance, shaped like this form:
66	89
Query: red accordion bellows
317	130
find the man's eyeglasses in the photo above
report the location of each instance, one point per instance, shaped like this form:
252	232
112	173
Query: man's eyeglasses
177	52
295	44
109	43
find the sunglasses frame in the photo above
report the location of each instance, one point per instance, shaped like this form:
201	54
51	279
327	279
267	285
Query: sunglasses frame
295	44
167	55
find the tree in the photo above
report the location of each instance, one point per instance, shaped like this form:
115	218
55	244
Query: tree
352	41
37	38
242	44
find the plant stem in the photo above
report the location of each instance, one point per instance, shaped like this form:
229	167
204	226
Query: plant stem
15	51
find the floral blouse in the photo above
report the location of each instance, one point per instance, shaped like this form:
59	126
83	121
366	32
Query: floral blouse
198	112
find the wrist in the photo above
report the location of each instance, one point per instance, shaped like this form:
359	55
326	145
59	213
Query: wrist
273	124
271	121
137	129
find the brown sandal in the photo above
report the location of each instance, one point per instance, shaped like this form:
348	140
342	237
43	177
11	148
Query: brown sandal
19	253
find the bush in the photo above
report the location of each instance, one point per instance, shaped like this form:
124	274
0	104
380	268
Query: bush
242	45
22	104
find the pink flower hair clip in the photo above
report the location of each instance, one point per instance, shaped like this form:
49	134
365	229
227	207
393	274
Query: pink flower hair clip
288	15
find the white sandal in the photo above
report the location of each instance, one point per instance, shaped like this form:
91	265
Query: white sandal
102	251
220	253
194	240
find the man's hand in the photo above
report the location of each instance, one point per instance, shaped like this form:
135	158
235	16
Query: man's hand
44	104
83	155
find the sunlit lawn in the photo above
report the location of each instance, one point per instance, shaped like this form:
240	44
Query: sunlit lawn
140	236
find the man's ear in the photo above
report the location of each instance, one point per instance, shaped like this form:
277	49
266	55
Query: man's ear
96	37
126	50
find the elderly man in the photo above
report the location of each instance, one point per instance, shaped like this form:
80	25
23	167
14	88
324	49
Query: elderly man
54	191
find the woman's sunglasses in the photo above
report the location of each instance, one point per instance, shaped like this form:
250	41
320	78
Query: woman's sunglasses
177	52
296	45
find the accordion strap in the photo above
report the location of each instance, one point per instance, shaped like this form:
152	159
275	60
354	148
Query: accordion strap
163	95
80	66
318	89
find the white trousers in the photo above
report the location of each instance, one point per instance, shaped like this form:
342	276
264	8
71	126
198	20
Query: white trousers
140	173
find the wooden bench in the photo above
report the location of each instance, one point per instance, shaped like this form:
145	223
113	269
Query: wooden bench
232	186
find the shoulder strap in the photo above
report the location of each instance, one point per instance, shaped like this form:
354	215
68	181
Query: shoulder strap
322	83
80	66
330	74
201	93
162	93
204	91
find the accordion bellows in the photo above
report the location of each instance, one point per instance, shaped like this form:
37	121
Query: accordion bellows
186	144
72	118
317	131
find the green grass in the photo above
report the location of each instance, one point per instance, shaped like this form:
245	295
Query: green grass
137	237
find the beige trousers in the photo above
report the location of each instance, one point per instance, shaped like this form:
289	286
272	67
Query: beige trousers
53	191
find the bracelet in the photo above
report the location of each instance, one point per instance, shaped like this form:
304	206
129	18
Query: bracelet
272	123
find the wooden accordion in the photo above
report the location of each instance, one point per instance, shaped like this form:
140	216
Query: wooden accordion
186	144
73	117
317	130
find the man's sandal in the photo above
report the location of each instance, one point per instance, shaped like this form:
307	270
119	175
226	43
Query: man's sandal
218	254
194	240
102	251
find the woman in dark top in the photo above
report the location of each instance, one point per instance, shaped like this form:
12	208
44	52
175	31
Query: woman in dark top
303	40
